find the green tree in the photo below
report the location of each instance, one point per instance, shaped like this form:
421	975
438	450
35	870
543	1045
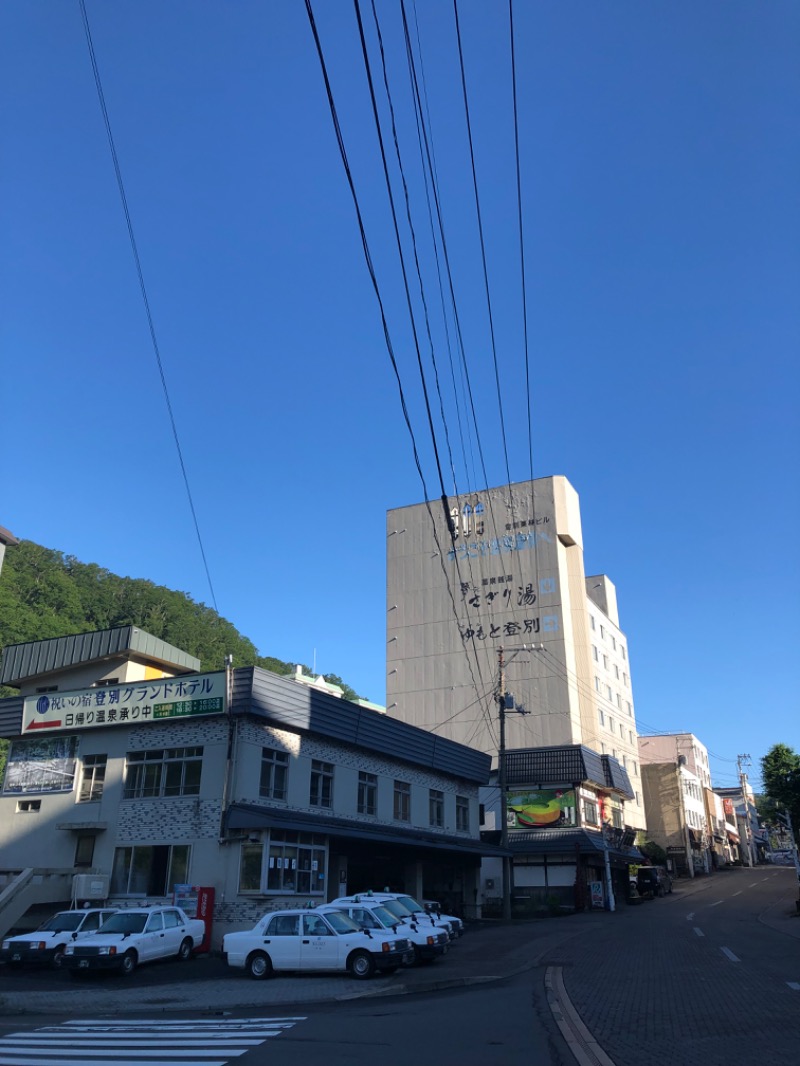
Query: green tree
780	772
44	593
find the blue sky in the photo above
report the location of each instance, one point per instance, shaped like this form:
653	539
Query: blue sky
660	158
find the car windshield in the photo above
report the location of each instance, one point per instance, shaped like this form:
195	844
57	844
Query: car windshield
342	923
384	916
65	922
132	922
411	904
396	908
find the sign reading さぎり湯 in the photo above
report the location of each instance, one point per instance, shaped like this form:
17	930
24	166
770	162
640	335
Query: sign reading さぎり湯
131	703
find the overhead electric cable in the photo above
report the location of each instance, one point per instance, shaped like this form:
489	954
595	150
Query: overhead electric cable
146	301
376	288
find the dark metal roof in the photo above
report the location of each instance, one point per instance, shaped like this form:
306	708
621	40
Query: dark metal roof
250	816
617	777
565	842
298	707
21	662
565	764
11	717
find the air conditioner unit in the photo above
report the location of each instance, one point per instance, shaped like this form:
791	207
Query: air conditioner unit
90	886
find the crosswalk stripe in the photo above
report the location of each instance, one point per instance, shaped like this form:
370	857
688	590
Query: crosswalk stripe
157	1042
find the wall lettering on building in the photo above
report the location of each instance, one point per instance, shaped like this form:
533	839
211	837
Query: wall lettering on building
512	542
496	631
523	596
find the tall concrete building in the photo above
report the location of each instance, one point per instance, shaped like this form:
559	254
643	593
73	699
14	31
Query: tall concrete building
496	583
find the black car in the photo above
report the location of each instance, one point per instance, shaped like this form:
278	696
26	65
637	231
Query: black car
653	881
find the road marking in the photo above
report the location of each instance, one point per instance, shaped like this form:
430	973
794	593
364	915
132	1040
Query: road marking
737	893
717	903
729	954
699	931
794	985
689	916
143	1042
753	884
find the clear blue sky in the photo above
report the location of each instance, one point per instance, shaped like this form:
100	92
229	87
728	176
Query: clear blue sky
660	159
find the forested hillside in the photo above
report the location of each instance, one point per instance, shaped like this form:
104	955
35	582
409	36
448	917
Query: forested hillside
44	593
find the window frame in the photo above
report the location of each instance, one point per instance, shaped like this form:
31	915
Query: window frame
275	768
151	777
436	808
367	798
402	801
320	791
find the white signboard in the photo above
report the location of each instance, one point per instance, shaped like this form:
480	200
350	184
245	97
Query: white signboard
131	703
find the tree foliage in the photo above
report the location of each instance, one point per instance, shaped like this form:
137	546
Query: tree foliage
780	772
44	594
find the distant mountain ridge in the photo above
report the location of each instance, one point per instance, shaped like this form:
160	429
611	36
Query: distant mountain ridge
45	593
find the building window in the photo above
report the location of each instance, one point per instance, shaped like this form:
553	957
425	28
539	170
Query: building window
597	682
609	693
614	643
47	688
621	730
616	818
46	764
367	793
436	808
590	812
592	621
274	772
603	632
92	778
163	772
28	806
601	716
149	870
625	679
462	814
616	671
402	801
321	794
595	653
106	682
251	859
84	849
296	863
624	761
611	723
630	708
605	662
481	814
622	650
630	736
635	767
637	798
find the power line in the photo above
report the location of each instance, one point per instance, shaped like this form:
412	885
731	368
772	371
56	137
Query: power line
140	275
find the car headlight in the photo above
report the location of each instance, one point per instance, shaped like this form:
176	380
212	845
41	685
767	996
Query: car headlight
107	950
6	945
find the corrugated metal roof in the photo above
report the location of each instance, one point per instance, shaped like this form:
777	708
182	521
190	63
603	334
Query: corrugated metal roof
298	707
564	764
617	777
40	657
251	816
565	842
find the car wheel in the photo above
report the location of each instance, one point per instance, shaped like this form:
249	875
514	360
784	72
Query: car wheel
361	965
259	965
185	950
129	963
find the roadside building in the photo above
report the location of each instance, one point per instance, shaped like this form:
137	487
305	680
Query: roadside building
676	816
566	830
7	540
131	775
503	570
669	747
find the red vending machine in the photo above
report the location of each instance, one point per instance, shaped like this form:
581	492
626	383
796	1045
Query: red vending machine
198	902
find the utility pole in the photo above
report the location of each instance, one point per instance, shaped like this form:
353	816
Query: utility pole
740	760
505	704
501	757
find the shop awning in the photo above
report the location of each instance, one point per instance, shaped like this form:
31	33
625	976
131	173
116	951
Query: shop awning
244	816
567	841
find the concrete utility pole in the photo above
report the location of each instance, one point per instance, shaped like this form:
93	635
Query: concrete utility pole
505	705
740	761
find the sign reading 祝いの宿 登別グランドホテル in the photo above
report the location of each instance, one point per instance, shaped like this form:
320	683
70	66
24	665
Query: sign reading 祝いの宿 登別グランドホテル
130	703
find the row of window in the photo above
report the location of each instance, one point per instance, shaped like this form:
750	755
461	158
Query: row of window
274	785
606	691
611	637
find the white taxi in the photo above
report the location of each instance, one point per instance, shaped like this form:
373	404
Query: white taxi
134	936
309	940
427	943
48	943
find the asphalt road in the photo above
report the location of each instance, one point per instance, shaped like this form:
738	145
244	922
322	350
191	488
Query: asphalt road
709	976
